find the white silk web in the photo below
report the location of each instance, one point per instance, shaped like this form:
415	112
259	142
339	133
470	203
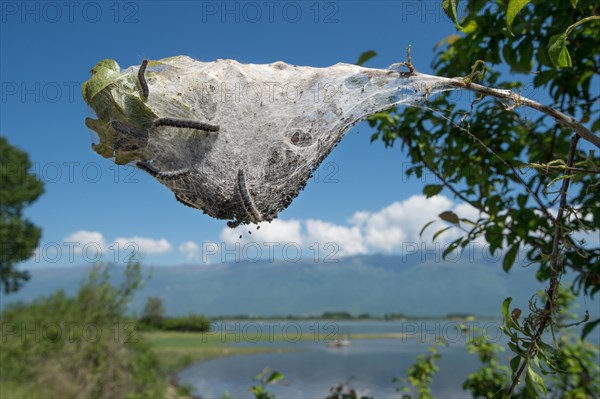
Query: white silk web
237	141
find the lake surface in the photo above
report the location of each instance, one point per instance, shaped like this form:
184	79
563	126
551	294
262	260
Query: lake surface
313	368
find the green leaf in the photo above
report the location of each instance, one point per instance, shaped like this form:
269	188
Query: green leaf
530	388
514	6
509	258
574	3
424	227
451	247
450	217
557	50
515	362
589	327
432	189
536	380
470	27
275	376
515	348
449	7
505	306
366	56
440	232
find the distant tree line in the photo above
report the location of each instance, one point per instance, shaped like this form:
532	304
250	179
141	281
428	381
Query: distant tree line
154	318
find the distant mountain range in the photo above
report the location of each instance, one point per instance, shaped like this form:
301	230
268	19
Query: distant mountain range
375	284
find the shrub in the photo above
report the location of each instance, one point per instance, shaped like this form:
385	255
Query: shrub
82	346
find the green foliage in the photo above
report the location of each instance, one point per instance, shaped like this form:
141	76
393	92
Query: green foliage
484	152
336	316
580	370
420	375
366	56
506	164
568	364
82	346
513	8
557	50
492	378
265	378
154	312
190	323
449	7
18	236
557	46
153	318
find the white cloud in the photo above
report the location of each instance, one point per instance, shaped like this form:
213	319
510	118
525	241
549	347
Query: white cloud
348	240
145	245
385	230
466	211
189	249
86	239
280	231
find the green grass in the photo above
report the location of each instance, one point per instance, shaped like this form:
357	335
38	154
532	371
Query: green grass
180	349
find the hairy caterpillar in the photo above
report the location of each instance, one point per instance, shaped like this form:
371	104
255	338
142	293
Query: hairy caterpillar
142	78
246	198
169	175
186	124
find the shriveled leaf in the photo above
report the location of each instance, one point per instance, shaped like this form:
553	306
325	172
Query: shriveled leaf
366	56
450	217
557	50
514	6
516	313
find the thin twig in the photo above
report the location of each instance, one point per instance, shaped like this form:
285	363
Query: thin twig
516	174
446	183
555	268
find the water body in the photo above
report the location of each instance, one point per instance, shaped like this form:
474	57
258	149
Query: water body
313	368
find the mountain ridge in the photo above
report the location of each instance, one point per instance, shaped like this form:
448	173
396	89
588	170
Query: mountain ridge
375	284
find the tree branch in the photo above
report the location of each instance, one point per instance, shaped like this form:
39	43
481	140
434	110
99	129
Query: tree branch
518	100
555	267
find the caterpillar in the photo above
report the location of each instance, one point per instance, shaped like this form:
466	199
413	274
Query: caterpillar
247	199
170	175
142	78
186	124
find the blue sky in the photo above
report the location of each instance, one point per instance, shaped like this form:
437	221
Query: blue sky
359	193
